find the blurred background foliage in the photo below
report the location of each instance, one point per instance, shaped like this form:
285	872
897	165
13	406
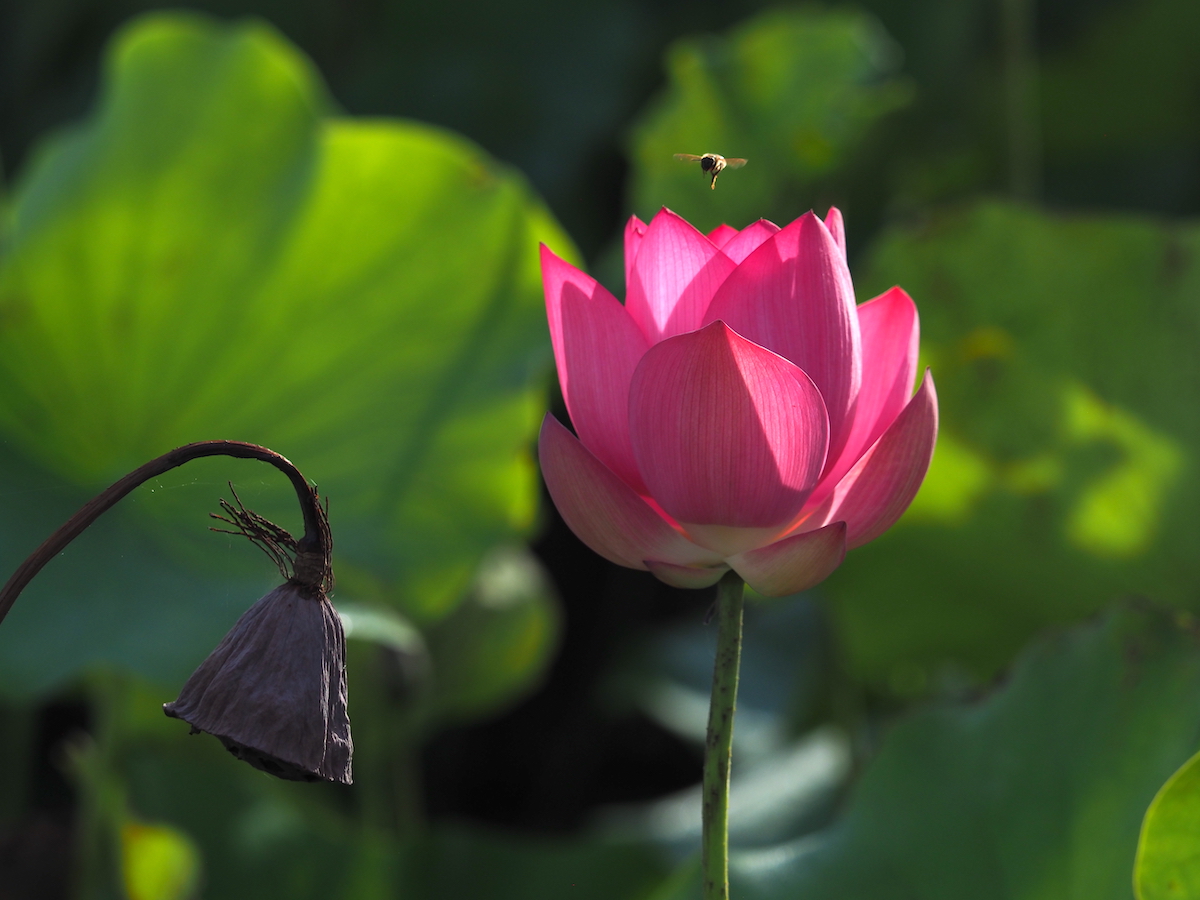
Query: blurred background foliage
316	228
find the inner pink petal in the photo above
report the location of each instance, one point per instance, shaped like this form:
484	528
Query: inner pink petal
722	234
837	227
749	239
673	277
635	230
793	295
724	432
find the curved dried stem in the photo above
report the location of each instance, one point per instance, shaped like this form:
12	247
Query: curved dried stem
311	556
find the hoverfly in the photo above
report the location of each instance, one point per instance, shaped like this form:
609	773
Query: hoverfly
713	164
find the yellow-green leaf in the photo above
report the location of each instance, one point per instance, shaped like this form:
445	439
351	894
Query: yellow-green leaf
1168	857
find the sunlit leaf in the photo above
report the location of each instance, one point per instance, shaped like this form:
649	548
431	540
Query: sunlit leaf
1066	469
1168	857
210	254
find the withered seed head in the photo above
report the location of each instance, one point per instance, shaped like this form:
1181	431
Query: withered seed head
274	690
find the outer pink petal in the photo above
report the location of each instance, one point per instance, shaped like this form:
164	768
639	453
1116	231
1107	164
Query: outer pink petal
837	227
793	295
635	230
794	564
722	234
749	239
891	334
687	576
725	432
604	512
596	348
673	277
881	485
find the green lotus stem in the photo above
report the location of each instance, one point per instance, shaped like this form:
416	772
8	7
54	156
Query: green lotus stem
316	539
714	859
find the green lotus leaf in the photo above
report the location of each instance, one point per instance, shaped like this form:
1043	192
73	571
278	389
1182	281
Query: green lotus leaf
1065	474
212	254
1168	857
1036	791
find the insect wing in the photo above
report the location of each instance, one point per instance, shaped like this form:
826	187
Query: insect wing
688	157
734	162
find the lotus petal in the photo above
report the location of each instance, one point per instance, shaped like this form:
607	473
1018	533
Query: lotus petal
793	564
686	576
837	227
604	512
729	540
749	239
881	485
890	334
635	230
793	295
673	278
721	235
724	432
596	348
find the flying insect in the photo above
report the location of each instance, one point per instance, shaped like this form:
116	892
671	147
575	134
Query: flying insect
712	163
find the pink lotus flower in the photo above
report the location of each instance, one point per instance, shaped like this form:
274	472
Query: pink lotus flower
738	411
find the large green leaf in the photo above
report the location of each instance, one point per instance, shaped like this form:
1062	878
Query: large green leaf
792	91
1168	857
209	255
1035	792
1064	349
